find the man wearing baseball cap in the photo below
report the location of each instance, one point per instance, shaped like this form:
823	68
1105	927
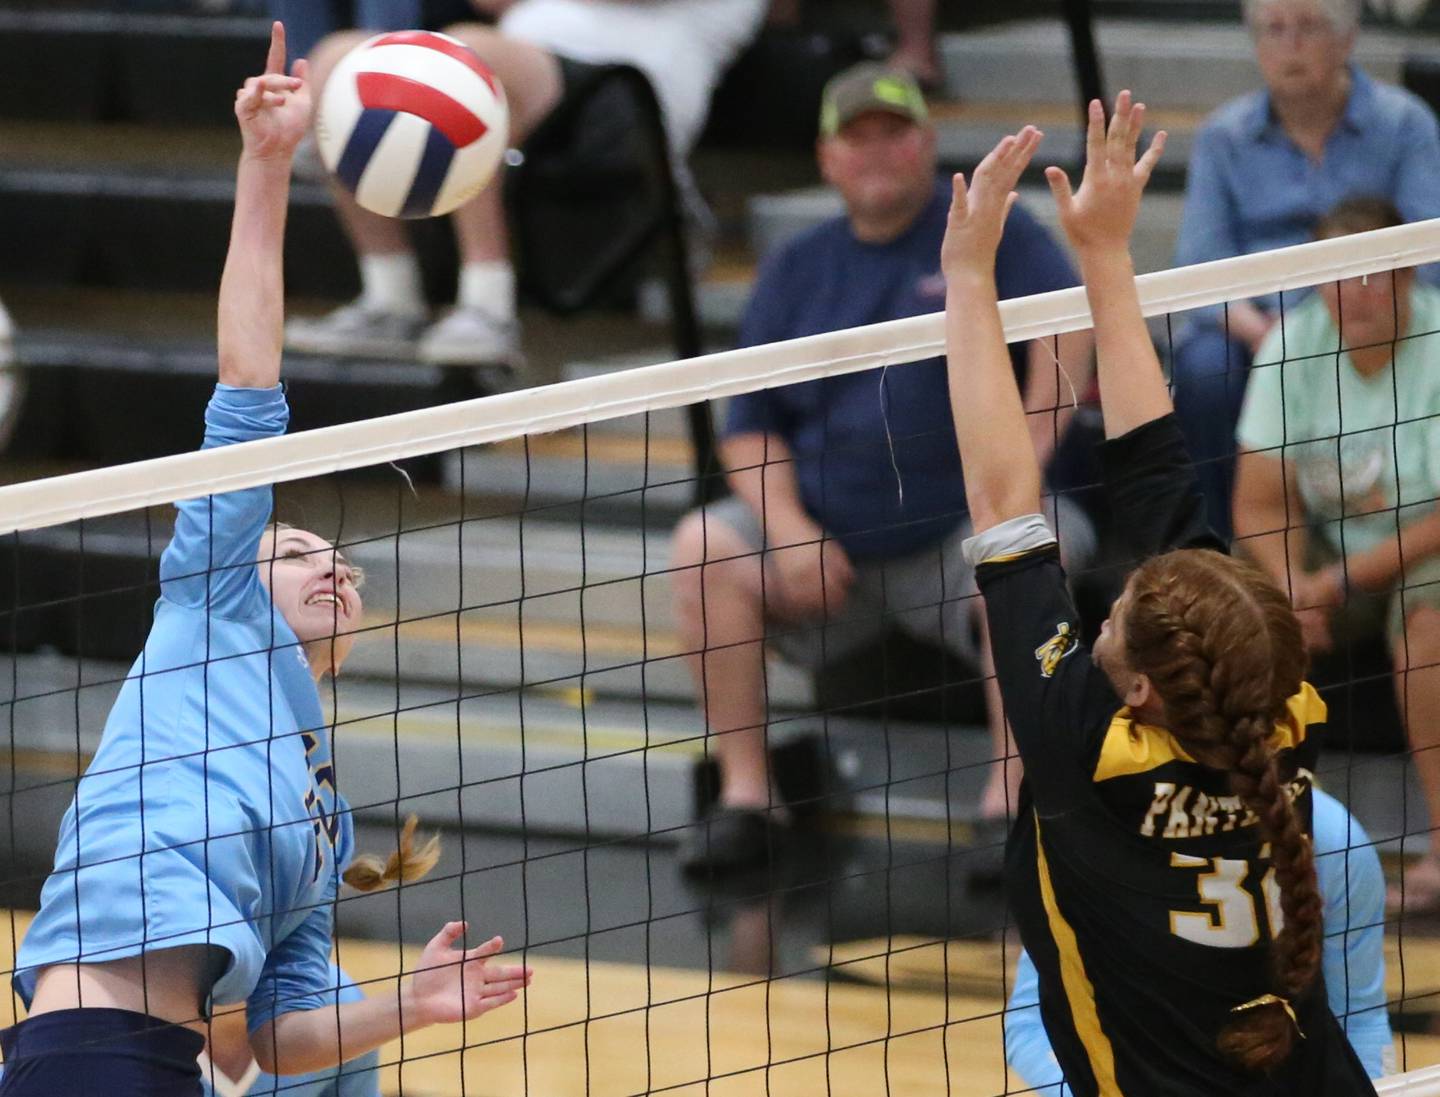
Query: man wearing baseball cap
851	485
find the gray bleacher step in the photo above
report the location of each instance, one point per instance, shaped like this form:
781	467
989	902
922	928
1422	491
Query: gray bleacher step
1190	65
585	767
776	218
610	473
719	301
493	652
591	767
592	609
964	141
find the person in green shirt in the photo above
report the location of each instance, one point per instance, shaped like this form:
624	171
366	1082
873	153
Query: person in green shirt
1338	480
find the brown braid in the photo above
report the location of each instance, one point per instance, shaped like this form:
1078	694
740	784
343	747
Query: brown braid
1223	652
407	864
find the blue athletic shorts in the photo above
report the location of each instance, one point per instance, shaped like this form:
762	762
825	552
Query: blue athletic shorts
99	1053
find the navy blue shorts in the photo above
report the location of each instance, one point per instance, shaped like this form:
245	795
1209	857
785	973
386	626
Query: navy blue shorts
100	1053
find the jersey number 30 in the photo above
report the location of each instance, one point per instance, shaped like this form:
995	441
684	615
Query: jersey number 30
1233	920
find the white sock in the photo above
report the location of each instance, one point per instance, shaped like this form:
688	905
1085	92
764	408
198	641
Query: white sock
489	287
391	283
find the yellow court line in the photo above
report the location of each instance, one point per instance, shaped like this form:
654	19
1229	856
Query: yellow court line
615	640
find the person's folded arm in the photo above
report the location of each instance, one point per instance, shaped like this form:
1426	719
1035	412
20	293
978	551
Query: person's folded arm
1383	565
760	470
1269	516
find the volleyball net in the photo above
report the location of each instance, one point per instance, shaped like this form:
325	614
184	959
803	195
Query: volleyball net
529	675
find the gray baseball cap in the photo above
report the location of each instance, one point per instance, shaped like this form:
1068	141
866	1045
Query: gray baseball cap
870	86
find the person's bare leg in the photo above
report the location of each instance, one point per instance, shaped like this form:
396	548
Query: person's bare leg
1417	680
533	86
915	39
720	617
1002	784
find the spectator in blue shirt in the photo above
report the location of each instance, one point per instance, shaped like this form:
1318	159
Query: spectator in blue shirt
1348	872
1264	168
851	485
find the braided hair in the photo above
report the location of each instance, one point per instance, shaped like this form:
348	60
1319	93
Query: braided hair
1223	652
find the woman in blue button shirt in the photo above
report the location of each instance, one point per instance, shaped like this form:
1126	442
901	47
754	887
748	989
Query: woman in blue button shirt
1263	170
200	860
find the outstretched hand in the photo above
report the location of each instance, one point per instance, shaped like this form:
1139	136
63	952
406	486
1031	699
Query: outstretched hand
1101	214
273	109
978	211
451	985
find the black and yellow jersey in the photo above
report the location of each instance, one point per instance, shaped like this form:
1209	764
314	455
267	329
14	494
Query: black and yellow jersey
1139	883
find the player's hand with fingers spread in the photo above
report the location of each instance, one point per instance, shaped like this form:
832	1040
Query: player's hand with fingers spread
273	109
454	985
978	210
1101	214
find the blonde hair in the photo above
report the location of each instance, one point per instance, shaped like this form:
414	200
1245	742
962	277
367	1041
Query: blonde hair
367	872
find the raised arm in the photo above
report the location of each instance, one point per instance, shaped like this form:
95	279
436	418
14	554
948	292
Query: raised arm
273	110
1148	474
1002	475
1098	220
210	561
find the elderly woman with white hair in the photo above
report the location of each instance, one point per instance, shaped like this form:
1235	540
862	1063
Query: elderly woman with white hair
1264	168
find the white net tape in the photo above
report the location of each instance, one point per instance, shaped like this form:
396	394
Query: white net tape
674	384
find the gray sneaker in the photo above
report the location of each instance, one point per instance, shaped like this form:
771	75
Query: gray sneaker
471	337
356	330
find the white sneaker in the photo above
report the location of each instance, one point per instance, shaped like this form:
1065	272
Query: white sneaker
12	381
471	337
356	330
7	337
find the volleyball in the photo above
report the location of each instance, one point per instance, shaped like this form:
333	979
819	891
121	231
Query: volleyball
412	123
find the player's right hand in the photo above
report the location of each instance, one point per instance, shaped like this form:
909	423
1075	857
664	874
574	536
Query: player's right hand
273	109
1102	212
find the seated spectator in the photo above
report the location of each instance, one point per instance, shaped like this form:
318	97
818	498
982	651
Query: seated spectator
1338	482
851	484
1352	885
1264	168
538	49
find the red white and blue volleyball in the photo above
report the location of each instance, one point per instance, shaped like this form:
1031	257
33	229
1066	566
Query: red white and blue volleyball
412	124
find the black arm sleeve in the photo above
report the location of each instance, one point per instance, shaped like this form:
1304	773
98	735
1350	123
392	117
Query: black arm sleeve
1154	492
1058	702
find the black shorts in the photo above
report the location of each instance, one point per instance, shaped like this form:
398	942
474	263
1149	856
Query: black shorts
100	1053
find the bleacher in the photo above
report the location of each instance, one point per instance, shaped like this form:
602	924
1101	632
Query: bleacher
115	191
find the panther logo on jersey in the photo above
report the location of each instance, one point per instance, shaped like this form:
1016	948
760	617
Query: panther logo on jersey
1056	648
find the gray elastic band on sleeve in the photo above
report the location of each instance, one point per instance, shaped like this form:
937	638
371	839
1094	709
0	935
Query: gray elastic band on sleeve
1010	538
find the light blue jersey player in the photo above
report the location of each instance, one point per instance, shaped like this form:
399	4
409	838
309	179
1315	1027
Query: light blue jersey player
200	861
1353	886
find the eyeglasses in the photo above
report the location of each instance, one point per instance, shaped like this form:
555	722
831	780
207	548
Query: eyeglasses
1305	30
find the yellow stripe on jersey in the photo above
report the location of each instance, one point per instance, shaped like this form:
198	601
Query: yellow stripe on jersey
1006	557
1079	991
1131	748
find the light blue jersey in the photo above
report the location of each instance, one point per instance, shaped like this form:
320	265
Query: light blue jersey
209	814
1348	871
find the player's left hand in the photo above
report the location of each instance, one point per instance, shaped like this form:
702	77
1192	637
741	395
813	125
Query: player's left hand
978	210
454	985
273	109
